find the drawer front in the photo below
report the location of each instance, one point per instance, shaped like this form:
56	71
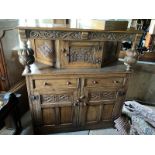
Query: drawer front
101	82
55	84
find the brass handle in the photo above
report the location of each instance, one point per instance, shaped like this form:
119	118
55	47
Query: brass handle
69	83
115	81
45	83
95	82
66	54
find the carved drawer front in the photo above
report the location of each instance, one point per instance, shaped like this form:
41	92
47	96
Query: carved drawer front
77	54
100	82
54	84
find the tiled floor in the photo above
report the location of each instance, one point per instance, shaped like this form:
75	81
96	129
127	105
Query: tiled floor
27	125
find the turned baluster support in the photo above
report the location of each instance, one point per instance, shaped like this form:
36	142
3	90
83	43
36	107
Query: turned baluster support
132	54
26	55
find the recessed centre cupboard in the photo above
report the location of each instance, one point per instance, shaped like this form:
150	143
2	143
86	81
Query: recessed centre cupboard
76	82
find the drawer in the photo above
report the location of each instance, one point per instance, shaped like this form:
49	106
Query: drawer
55	83
100	82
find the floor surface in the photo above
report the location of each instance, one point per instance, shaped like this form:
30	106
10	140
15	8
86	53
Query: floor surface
27	129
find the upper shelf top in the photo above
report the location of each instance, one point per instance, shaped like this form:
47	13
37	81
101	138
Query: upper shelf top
67	27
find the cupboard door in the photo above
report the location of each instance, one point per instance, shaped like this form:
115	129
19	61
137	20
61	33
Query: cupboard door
44	51
76	54
97	105
55	109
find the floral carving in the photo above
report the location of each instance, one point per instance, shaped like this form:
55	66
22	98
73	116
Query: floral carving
68	35
56	98
104	95
84	54
110	36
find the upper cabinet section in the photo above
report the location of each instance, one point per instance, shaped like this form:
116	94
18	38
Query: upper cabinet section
65	46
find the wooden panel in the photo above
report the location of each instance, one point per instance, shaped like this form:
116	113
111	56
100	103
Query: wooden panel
93	114
48	116
55	108
111	51
107	111
66	115
55	83
81	54
45	51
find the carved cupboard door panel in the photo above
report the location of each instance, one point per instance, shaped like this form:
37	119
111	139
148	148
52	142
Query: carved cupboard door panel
76	54
55	109
44	51
98	105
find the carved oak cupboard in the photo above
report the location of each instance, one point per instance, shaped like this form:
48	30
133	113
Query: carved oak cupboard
68	100
76	83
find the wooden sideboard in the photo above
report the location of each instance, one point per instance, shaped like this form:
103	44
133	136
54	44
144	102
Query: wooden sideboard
76	82
75	99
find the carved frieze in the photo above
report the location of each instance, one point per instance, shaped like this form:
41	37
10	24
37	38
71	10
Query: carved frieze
103	95
84	54
55	35
56	98
111	36
75	35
